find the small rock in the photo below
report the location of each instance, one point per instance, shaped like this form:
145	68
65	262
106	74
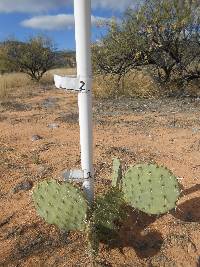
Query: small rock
42	171
36	137
49	103
53	126
23	186
195	130
6	220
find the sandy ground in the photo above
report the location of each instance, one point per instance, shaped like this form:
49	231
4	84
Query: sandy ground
163	131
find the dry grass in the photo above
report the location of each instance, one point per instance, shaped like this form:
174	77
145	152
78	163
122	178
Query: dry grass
135	84
10	82
21	84
105	86
62	71
140	84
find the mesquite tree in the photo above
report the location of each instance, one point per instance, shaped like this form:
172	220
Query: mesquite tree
33	58
118	52
161	34
170	29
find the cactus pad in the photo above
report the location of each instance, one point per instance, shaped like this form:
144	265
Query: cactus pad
61	204
117	173
150	188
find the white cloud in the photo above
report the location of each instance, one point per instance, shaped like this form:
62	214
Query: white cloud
30	6
36	6
56	22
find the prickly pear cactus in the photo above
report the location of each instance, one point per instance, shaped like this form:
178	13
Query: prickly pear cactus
61	204
150	188
117	173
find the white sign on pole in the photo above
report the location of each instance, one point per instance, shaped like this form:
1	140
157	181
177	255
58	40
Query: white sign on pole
66	82
72	83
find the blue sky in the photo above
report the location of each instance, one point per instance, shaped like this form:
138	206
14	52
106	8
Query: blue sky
25	18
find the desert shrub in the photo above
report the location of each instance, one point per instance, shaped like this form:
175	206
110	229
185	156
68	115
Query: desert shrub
162	35
171	31
118	52
34	58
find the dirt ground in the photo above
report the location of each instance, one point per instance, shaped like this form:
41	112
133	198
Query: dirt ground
39	138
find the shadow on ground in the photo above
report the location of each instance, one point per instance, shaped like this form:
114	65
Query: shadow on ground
147	243
189	211
133	233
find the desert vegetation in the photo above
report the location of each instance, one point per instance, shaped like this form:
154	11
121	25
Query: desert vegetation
146	85
152	51
161	37
33	58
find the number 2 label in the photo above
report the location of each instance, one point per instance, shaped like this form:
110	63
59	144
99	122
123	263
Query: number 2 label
82	85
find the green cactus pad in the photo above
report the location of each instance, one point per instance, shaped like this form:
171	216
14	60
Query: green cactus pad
117	173
61	204
150	188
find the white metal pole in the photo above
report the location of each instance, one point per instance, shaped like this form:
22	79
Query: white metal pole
82	13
